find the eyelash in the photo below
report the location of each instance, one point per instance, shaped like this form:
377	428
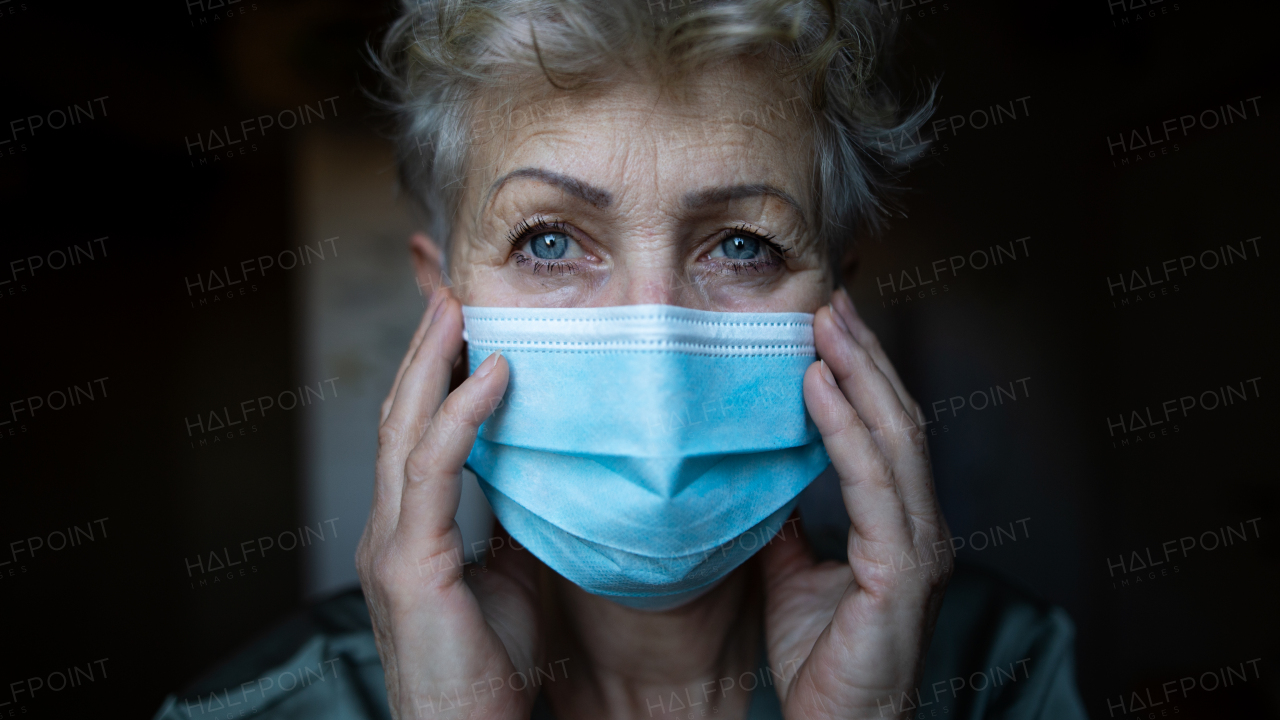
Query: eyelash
552	267
519	235
521	232
776	253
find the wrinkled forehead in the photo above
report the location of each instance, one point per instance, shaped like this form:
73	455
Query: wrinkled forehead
647	143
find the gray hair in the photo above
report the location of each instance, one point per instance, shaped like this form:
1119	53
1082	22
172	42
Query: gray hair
440	54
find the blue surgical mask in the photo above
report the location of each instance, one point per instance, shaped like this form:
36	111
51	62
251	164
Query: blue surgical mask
645	451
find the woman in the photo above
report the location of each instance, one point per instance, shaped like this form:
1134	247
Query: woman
636	203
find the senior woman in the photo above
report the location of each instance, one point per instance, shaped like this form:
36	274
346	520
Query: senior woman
638	218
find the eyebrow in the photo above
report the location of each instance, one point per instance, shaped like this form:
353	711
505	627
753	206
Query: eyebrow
601	198
717	195
582	190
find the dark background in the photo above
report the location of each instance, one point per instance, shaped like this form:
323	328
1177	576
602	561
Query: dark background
1089	71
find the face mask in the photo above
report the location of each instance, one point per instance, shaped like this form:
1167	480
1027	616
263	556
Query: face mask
645	451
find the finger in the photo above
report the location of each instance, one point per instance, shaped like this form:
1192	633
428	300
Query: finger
869	392
422	388
845	311
433	471
426	380
915	481
414	343
866	478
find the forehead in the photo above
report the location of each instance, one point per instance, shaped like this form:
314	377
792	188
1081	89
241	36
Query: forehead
735	124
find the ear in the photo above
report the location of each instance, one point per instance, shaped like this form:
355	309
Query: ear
428	263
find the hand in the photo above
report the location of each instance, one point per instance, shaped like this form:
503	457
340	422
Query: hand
851	638
448	644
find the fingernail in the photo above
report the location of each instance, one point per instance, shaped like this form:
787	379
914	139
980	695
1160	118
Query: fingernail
835	315
489	364
826	374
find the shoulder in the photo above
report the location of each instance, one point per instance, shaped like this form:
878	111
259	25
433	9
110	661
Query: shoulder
997	652
319	664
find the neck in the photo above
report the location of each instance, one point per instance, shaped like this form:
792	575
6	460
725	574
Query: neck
625	663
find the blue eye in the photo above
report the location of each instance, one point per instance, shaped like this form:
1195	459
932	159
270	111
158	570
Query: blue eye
741	247
549	245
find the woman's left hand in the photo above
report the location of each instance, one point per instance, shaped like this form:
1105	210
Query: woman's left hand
849	639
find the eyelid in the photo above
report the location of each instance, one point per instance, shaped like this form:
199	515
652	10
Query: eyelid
527	229
530	226
765	238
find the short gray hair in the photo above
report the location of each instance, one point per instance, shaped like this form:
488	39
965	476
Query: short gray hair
440	54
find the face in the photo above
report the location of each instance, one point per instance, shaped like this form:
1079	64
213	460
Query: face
698	197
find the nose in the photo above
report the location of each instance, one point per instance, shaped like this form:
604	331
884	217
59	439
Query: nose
652	267
661	285
654	287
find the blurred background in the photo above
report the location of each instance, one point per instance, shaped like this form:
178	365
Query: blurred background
205	293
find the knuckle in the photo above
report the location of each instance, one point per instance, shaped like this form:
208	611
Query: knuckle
382	570
845	424
860	354
389	435
885	435
420	462
449	408
470	413
916	437
877	470
461	410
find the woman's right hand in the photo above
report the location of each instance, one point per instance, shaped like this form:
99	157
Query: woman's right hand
448	643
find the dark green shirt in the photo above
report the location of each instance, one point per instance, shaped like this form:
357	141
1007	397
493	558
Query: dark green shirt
995	654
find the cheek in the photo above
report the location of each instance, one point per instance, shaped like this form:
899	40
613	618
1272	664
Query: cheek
800	291
809	290
482	285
